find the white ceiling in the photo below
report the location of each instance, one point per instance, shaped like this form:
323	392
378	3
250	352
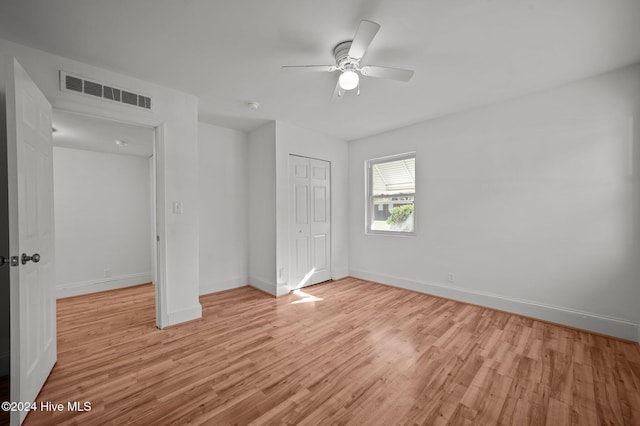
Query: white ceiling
465	53
97	134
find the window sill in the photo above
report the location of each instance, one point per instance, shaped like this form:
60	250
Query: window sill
391	233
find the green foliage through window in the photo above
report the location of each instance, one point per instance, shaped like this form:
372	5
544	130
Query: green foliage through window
399	214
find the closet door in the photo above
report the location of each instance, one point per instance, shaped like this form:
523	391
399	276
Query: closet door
309	221
320	220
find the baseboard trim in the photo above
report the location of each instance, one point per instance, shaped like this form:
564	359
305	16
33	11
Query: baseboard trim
282	289
338	275
188	314
263	285
216	286
601	324
102	284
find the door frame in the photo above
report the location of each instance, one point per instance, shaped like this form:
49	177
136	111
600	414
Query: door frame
157	192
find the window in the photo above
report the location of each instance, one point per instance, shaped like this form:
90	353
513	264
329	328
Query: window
391	190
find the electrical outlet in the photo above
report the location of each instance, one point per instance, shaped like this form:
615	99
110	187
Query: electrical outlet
451	277
107	272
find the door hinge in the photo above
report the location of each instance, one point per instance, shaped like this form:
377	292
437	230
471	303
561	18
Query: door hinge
158	238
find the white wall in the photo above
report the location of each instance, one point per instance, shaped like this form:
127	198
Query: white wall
102	221
177	114
262	208
532	203
291	139
224	204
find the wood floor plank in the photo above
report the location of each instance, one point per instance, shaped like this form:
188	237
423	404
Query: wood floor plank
346	352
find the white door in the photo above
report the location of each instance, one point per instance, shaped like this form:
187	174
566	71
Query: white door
310	221
30	187
320	220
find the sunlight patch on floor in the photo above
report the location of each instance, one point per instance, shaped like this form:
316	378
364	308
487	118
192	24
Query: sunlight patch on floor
306	297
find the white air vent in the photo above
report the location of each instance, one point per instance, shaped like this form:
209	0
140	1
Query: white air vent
76	84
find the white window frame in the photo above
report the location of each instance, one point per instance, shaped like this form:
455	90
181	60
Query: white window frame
369	197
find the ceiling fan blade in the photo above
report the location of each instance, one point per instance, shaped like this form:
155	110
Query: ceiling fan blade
366	31
385	72
313	68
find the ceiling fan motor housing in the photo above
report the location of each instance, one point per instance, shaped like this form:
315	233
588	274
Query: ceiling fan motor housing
341	53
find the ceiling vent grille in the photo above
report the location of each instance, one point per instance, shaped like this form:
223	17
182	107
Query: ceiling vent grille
73	83
91	88
111	93
129	98
76	84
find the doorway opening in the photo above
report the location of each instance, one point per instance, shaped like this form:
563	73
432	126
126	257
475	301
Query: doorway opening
104	204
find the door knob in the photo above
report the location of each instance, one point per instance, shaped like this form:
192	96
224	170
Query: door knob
35	258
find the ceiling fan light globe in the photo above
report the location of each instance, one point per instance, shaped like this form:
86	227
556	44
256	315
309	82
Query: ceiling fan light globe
348	80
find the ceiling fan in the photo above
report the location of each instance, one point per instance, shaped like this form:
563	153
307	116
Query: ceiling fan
348	55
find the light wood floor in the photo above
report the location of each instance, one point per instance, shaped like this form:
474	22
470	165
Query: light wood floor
348	352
